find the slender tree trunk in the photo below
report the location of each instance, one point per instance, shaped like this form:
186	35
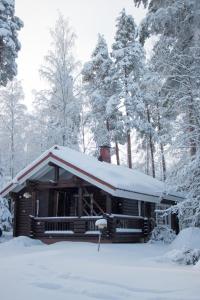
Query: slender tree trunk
193	146
147	158
191	116
12	157
129	154
151	145
83	139
83	132
117	153
152	155
163	161
12	143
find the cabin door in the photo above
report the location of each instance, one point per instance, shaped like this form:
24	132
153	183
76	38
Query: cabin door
66	204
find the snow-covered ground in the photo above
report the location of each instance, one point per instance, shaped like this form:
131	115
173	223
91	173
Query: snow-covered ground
30	270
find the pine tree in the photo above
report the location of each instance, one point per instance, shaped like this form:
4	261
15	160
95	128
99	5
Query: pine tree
177	60
100	87
128	58
96	79
9	44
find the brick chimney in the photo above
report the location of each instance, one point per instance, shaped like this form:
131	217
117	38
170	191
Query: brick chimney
105	154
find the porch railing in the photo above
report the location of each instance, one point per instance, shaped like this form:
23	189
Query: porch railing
117	224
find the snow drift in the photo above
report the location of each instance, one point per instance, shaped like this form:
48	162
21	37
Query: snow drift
21	242
188	238
185	249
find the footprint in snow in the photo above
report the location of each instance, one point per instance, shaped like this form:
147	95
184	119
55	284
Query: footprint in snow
122	287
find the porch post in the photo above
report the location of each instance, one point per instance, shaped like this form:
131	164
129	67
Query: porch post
108	204
56	174
80	201
33	203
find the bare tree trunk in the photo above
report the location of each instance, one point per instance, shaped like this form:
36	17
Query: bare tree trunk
12	143
151	145
129	154
12	158
147	158
83	132
83	139
193	146
152	155
192	119
117	153
163	161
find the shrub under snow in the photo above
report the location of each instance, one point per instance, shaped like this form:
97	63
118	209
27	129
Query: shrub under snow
184	256
185	247
162	233
5	215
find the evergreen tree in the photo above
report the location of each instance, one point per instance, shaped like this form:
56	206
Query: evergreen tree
128	58
177	59
9	44
97	84
100	88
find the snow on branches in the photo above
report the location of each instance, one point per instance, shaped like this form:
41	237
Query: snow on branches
5	215
9	44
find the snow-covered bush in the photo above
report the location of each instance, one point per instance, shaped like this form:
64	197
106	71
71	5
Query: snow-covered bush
5	215
185	249
184	256
162	233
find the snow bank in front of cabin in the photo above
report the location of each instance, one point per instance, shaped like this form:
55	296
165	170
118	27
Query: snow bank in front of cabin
21	242
188	238
185	249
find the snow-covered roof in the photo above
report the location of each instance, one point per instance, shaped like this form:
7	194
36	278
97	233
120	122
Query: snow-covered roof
118	181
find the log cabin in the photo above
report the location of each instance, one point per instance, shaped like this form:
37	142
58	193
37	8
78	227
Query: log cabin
62	194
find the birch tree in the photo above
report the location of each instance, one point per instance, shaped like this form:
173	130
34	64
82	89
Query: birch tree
58	102
13	123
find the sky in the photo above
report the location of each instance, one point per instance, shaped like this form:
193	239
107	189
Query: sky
86	17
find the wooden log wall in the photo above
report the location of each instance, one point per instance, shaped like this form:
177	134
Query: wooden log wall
23	210
130	207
